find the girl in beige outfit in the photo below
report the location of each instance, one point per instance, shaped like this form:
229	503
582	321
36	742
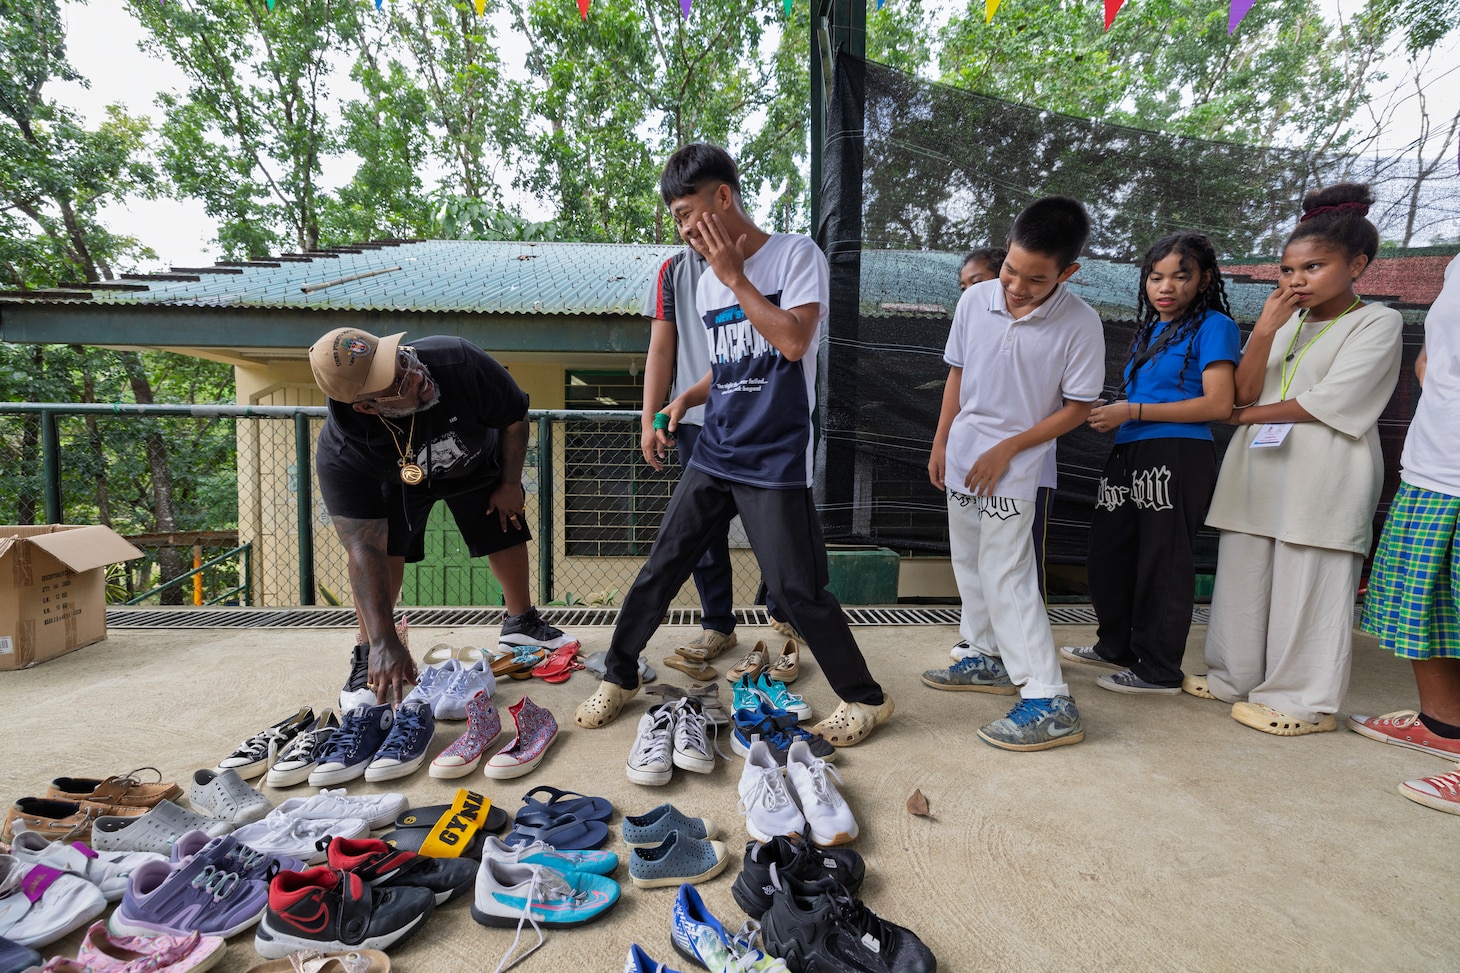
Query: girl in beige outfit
1296	495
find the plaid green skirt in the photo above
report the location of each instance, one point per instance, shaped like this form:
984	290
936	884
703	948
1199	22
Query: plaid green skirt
1414	585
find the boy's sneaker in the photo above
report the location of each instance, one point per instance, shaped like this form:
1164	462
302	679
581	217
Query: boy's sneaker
962	650
692	750
356	691
353	745
327	910
976	673
542	853
701	938
1404	729
507	893
461	687
254	755
765	863
404	749
822	927
386	867
1036	724
1087	655
751	726
297	761
529	629
196	895
1126	681
1441	793
651	762
483	725
814	781
764	800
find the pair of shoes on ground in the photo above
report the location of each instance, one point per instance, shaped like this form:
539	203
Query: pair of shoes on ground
1260	716
297	826
107	870
1123	680
377	743
39	905
298	760
446	688
1404	728
566	820
72	804
778	729
708	695
671	734
1033	724
253	756
822	926
692	657
748	692
668	847
770	810
785	666
702	939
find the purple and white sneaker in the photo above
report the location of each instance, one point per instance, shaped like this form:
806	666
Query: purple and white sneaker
232	855
191	896
483	725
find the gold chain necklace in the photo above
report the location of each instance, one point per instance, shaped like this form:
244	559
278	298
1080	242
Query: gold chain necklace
410	473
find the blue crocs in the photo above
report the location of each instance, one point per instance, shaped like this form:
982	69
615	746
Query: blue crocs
652	827
680	858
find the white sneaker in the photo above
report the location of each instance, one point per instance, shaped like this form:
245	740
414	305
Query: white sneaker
962	651
299	838
432	681
691	750
40	912
107	870
764	800
650	762
826	811
377	810
458	691
228	796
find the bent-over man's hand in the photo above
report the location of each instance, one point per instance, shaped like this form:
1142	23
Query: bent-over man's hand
507	502
392	673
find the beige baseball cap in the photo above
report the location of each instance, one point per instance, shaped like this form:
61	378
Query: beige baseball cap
348	361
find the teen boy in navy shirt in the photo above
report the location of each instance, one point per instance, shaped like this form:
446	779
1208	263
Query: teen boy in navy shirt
763	299
1026	362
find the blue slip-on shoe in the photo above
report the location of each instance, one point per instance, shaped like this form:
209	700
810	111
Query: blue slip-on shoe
404	749
652	827
701	938
679	858
974	673
1036	724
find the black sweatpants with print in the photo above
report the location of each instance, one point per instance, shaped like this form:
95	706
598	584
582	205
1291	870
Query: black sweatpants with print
1153	496
783	531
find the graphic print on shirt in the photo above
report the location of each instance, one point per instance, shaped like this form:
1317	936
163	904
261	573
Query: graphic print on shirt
445	453
1149	490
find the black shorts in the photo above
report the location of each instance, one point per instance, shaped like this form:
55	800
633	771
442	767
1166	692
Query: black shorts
409	509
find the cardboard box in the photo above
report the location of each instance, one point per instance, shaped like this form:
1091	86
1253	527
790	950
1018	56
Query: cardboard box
53	589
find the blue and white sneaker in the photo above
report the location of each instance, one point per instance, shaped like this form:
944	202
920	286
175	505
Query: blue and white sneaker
700	938
431	682
1036	724
461	687
404	749
639	962
779	730
542	853
509	893
976	673
351	748
782	698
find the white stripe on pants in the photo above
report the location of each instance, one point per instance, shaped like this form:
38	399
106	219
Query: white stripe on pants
1003	613
1281	630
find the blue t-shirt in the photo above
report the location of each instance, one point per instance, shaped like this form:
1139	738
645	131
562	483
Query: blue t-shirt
1170	376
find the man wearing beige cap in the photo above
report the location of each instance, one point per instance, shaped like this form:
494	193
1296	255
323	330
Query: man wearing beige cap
408	425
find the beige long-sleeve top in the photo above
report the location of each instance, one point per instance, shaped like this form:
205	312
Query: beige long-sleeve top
1321	486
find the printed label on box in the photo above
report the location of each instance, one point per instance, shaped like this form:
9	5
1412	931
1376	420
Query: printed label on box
6	648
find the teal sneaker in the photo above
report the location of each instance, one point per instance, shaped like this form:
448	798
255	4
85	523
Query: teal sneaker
780	697
1036	724
976	673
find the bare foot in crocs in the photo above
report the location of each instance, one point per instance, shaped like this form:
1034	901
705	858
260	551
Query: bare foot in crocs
706	646
602	707
853	722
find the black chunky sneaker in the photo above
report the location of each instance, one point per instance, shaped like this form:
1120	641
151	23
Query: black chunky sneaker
822	928
764	864
357	688
529	629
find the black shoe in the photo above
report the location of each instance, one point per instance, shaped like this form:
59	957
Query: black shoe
529	629
385	867
764	864
328	910
357	688
254	755
822	928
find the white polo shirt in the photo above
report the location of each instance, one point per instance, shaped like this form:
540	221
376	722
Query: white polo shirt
1015	374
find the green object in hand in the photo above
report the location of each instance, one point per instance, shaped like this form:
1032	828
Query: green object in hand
661	420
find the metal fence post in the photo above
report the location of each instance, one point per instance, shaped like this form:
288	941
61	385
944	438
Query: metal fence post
545	508
304	491
51	466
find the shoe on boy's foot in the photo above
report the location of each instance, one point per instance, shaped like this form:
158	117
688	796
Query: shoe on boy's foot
785	628
1262	717
603	707
1441	793
706	646
962	650
357	691
852	723
976	673
1126	681
1036	724
1087	655
1404	729
529	629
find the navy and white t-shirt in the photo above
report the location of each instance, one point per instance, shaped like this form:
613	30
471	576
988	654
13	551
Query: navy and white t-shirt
1174	375
672	299
757	427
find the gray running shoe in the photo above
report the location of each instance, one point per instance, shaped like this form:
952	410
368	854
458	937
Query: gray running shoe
1126	681
1036	724
975	673
1087	655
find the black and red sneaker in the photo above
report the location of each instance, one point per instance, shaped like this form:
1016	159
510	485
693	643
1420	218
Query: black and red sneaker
327	910
386	867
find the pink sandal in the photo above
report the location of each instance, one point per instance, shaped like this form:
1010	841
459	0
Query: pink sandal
561	664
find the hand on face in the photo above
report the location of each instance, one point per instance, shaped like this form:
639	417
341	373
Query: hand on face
726	258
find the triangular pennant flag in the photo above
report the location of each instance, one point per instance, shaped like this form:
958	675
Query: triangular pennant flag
684	6
1112	7
1236	12
380	4
990	7
583	8
481	6
787	5
879	4
270	3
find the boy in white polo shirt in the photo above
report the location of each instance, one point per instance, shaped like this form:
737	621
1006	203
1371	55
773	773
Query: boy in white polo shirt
1026	363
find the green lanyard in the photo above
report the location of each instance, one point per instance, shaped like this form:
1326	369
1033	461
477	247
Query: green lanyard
1287	378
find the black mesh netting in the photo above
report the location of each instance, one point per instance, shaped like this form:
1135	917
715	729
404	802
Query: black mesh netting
917	173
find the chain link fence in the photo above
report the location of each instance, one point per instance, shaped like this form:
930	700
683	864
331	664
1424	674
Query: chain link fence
220	487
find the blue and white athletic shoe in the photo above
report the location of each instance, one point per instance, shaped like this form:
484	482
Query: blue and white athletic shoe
542	853
700	938
509	893
639	962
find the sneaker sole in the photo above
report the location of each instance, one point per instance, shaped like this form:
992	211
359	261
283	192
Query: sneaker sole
497	772
271	943
289	778
405	769
1071	657
341	776
1385	738
1049	744
520	641
551	921
694	763
1116	687
995	689
118	925
677	880
1437	803
452	771
649	778
839	838
247	771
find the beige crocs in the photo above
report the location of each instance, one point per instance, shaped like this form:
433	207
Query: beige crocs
852	722
601	708
1196	685
1269	720
705	646
784	628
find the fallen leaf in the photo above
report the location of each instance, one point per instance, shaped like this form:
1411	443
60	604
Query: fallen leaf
918	804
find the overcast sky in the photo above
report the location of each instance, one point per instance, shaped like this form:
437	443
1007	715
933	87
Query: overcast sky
103	38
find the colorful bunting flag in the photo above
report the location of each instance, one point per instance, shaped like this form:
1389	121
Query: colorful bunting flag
990	7
1235	14
787	5
271	5
879	4
684	6
379	4
1112	7
481	6
582	8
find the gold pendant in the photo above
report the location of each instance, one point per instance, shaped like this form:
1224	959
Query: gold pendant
411	474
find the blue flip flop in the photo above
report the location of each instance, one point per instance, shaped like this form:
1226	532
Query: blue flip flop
567	833
560	804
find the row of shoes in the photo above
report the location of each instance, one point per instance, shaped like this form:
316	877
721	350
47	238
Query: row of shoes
693	659
536	731
817	808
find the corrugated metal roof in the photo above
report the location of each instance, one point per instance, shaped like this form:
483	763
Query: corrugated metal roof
489	277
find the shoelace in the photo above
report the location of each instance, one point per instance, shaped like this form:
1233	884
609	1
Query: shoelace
411	724
265	741
820	771
768	791
216	882
343	741
552	888
862	919
1447	784
1026	713
745	946
305	744
654	745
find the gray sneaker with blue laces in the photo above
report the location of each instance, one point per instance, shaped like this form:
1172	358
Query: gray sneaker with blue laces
976	673
1036	724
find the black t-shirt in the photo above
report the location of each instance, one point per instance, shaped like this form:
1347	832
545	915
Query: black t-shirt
455	441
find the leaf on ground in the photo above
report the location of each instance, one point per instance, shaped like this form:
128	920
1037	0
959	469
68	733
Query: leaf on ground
917	804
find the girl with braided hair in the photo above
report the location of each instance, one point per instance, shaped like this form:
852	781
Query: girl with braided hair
1299	484
1159	478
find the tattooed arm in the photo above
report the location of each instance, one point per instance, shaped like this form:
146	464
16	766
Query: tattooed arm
375	582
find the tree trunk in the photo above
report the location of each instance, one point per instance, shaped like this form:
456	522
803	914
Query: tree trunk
169	560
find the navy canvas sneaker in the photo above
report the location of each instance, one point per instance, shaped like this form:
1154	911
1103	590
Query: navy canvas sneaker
352	747
404	749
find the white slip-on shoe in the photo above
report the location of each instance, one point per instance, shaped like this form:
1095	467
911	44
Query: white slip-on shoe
154	831
39	906
377	810
227	796
107	870
299	838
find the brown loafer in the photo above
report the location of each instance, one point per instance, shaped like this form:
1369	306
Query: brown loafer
59	820
123	790
787	665
754	663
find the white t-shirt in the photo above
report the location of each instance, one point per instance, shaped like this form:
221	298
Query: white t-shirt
1017	373
757	427
1431	457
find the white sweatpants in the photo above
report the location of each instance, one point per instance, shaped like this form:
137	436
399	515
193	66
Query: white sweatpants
1003	613
1281	631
